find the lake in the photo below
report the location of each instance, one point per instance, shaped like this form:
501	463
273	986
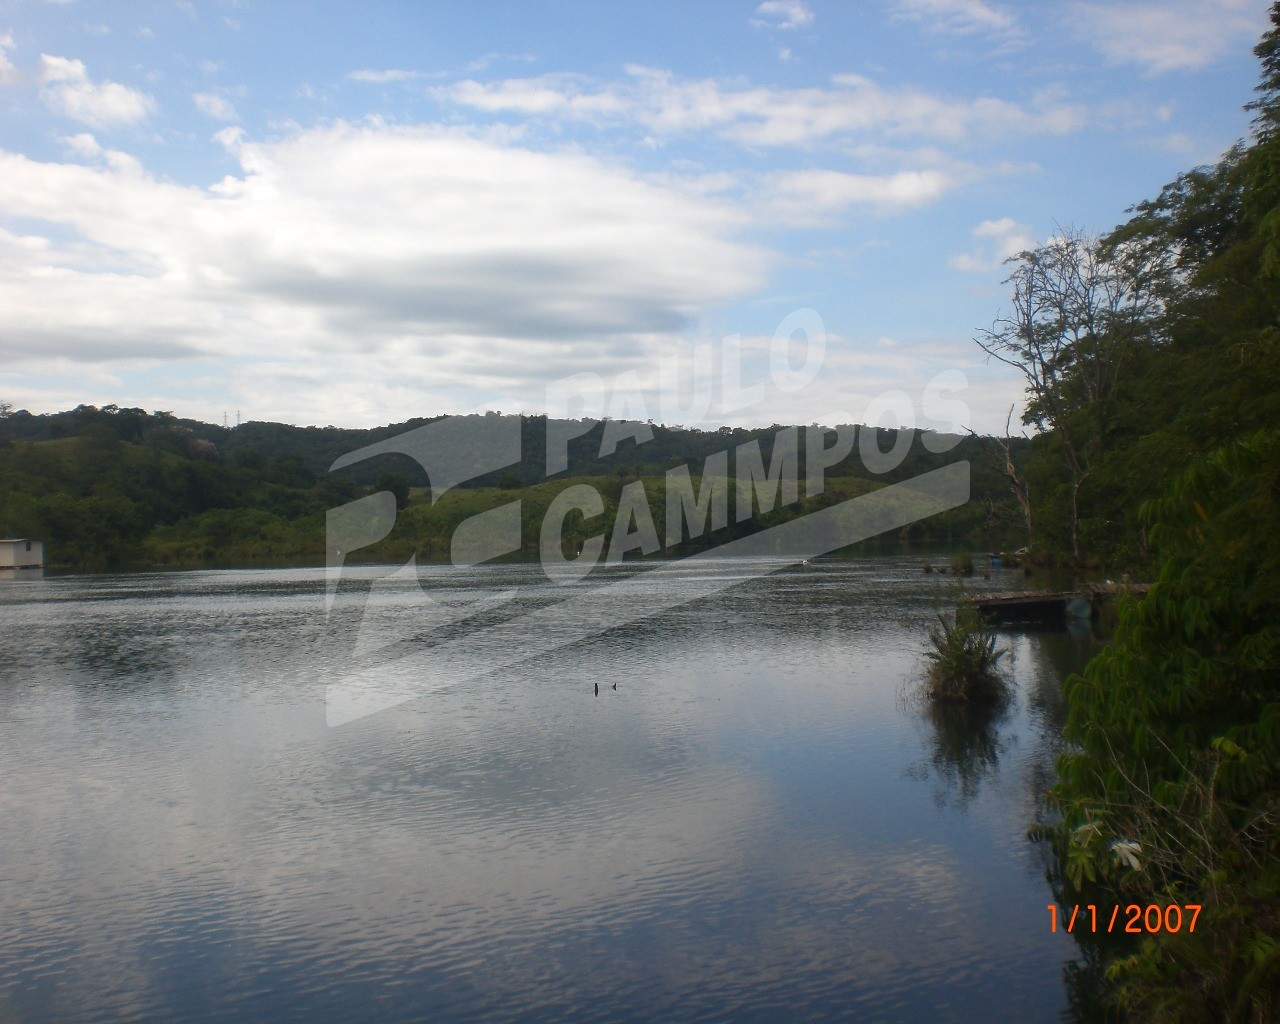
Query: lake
762	822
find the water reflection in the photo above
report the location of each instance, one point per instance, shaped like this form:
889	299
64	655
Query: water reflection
734	833
22	575
966	746
975	756
1048	656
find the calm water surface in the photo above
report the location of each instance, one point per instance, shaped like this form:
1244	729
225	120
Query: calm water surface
760	823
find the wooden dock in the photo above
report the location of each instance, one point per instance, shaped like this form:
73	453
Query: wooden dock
1051	606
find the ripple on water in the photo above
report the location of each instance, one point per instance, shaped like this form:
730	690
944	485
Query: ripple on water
752	827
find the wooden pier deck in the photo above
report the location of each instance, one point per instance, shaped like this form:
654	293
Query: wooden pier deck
1050	606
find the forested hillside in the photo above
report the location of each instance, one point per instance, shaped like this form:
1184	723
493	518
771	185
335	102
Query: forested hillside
111	486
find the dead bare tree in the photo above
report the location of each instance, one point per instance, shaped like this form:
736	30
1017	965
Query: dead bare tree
1017	485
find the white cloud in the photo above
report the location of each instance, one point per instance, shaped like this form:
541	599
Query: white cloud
404	267
852	108
8	73
858	370
83	144
963	16
375	77
215	106
560	95
67	90
784	14
998	240
808	197
483	62
1173	35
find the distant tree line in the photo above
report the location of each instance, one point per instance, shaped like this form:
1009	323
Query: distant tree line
108	486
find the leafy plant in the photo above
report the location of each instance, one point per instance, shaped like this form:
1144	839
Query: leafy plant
963	660
1170	786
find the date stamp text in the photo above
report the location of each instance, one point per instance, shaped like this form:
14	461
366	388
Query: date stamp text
1134	919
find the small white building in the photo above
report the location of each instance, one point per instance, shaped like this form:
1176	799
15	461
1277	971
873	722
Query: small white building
20	553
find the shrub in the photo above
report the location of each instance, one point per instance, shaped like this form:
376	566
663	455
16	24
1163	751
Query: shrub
963	660
1173	752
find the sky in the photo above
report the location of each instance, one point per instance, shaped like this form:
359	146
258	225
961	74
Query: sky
355	214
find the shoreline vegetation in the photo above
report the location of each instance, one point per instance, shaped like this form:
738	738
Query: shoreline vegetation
1152	363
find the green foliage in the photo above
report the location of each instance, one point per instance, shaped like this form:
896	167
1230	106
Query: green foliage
1170	783
1204	364
99	500
110	486
963	661
397	484
1175	745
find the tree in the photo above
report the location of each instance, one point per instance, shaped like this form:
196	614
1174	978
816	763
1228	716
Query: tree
1076	315
1170	783
1017	483
397	484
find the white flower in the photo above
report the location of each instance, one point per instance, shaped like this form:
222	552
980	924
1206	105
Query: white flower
1126	851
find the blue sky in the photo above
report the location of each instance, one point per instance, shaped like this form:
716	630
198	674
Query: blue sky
353	214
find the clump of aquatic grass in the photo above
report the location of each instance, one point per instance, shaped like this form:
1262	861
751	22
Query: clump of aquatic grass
963	661
962	565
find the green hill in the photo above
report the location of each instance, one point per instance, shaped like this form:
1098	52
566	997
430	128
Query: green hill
114	487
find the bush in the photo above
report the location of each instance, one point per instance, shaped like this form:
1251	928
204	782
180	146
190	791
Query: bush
963	660
1173	752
